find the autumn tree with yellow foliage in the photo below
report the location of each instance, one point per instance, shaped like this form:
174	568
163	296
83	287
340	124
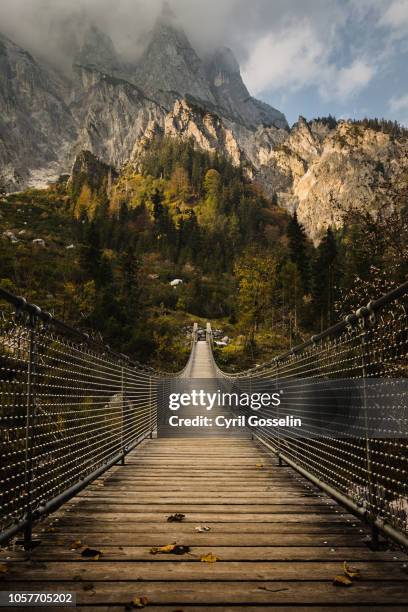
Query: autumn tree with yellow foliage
257	276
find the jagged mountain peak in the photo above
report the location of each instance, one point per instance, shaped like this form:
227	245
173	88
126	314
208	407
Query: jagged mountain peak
167	13
8	46
230	92
109	109
170	63
224	60
97	50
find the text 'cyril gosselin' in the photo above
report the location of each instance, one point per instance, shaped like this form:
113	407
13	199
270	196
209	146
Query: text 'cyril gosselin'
219	399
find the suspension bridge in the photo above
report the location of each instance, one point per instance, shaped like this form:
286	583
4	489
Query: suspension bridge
90	494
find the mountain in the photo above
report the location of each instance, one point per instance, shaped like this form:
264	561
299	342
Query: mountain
322	169
97	51
170	67
36	124
230	92
325	171
111	108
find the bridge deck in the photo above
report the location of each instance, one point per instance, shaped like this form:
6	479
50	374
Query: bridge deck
202	365
279	542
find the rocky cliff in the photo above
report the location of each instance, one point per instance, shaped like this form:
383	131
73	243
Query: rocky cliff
113	110
325	172
108	107
36	123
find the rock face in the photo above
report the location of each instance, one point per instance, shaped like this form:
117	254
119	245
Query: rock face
326	172
112	115
97	51
110	108
36	124
231	94
170	67
90	182
208	130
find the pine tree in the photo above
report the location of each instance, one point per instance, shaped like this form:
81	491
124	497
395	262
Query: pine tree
90	255
298	250
325	280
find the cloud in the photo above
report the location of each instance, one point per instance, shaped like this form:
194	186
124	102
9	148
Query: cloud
286	47
44	26
351	79
399	107
298	57
400	103
290	58
396	16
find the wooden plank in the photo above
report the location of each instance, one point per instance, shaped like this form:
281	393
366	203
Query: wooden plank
279	541
213	463
208	517
235	593
221	451
261	608
207	478
89	525
63	552
192	570
156	538
197	488
95	506
260	499
192	493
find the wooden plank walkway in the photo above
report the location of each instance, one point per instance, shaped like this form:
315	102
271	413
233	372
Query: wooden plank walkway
279	541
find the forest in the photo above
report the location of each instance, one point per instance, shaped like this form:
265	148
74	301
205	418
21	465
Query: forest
100	250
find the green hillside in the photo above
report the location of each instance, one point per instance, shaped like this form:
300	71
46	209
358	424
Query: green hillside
107	246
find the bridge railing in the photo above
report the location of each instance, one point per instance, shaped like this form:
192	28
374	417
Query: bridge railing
70	408
356	446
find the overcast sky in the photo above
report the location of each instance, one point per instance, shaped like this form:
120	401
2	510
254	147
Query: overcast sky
309	57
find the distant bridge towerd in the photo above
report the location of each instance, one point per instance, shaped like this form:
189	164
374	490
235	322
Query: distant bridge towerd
75	415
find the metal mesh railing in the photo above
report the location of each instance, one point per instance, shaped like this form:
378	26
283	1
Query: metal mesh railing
69	409
354	436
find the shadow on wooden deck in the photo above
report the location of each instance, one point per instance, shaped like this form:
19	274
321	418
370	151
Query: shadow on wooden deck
278	540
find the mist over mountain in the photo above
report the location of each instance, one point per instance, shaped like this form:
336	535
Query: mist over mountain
107	105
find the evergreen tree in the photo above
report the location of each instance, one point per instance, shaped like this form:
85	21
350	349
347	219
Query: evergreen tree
298	249
163	230
90	255
325	280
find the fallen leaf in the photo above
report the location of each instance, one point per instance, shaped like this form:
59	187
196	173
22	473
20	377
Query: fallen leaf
137	602
341	580
162	549
209	558
176	518
351	572
174	549
202	528
51	530
76	544
3	568
259	465
91	553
